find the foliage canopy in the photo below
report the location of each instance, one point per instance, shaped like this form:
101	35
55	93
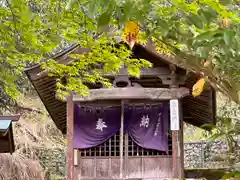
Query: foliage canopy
204	36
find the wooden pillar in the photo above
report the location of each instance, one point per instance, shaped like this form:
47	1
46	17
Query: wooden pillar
177	139
70	150
177	130
121	140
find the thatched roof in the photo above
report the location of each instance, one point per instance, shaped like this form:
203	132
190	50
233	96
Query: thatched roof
196	111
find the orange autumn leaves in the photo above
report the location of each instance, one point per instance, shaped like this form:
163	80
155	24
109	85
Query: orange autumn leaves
131	33
198	87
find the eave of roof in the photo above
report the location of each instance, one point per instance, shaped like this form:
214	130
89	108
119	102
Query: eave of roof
56	56
4	125
57	109
12	118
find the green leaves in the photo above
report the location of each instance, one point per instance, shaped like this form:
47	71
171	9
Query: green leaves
134	66
207	15
24	39
70	3
104	19
208	35
195	20
126	11
228	36
208	126
231	175
194	30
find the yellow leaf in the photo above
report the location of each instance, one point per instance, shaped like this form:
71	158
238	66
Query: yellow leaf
225	22
131	33
65	141
198	87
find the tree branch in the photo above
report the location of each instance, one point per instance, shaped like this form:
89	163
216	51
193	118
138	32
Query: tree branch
24	109
197	68
14	18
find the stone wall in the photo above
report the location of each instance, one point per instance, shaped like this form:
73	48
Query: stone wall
54	162
202	155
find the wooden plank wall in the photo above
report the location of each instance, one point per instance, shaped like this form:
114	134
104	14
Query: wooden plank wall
103	161
147	168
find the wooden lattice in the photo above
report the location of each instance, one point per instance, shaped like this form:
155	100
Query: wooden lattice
112	148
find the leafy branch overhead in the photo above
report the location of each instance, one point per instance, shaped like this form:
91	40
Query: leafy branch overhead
203	36
104	58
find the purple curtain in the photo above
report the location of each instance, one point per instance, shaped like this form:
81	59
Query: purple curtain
148	127
93	126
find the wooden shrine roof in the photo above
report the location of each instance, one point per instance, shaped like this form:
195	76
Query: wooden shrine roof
196	110
6	134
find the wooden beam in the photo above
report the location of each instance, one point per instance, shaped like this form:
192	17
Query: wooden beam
12	118
11	140
121	140
145	72
70	129
133	93
111	103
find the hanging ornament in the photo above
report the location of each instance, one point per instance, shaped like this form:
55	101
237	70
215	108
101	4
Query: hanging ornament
198	87
131	33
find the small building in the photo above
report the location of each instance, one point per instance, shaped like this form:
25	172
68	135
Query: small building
6	134
131	131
